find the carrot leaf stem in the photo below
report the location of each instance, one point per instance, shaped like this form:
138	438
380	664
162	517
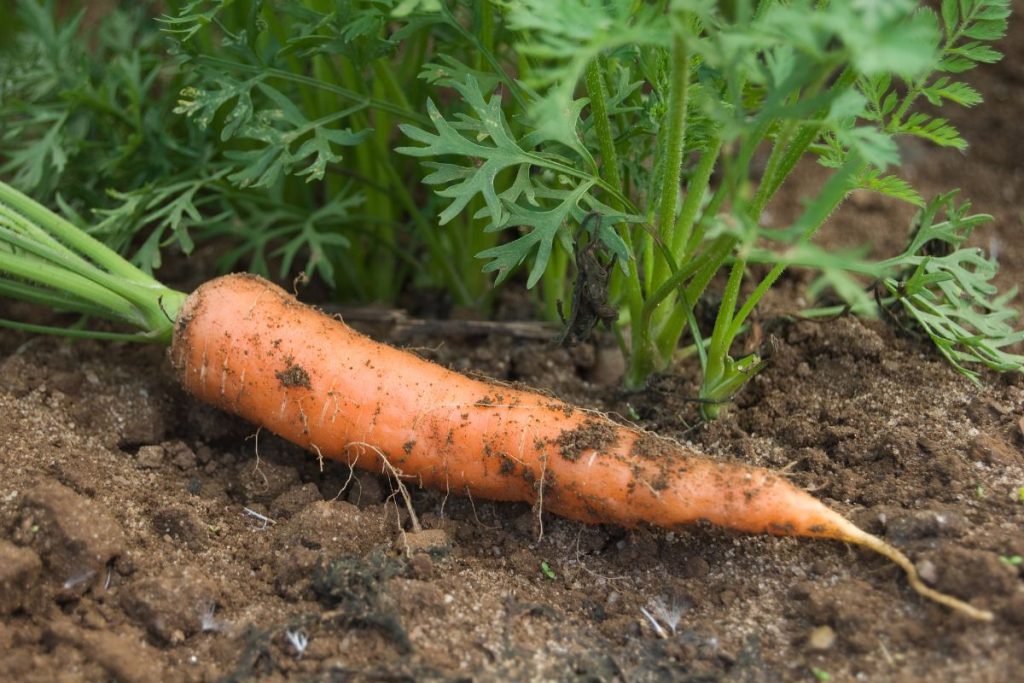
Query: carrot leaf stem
46	260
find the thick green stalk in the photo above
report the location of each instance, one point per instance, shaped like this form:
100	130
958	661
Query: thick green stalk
718	348
597	91
723	376
644	357
695	191
71	236
72	270
671	317
672	161
553	282
63	280
485	29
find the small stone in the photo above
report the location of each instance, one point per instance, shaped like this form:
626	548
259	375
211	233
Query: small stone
150	457
928	572
821	639
608	368
1013	609
694	567
204	453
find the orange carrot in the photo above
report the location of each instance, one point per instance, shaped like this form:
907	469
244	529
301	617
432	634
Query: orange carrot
250	348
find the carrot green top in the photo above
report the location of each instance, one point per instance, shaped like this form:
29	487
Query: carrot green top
46	260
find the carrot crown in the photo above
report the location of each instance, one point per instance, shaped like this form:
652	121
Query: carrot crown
46	260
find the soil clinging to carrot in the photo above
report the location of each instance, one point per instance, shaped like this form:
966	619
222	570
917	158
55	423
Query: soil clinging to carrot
592	435
293	376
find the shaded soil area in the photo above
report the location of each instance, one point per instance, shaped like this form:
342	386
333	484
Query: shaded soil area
145	537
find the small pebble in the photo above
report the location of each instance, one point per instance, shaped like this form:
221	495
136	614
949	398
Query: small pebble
821	638
928	572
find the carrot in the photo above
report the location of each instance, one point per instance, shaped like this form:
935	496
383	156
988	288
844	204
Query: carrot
248	347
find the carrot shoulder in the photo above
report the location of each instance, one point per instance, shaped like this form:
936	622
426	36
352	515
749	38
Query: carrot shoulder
250	348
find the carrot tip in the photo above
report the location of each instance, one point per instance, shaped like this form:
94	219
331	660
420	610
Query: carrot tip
876	544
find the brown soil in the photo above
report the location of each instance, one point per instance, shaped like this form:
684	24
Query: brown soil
143	539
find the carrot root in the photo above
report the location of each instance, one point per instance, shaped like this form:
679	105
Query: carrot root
249	348
864	539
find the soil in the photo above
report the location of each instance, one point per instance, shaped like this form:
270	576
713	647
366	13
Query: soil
142	538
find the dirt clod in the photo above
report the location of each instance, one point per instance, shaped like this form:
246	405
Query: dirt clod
335	527
74	536
150	457
994	451
19	576
173	605
124	657
434	542
972	573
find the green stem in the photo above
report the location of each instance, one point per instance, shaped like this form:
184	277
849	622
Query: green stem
718	349
695	191
672	161
80	273
385	74
509	83
598	94
830	197
78	334
669	324
485	29
349	94
427	231
70	235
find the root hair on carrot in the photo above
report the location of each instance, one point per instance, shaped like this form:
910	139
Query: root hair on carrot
396	476
472	505
319	455
256	468
539	505
351	476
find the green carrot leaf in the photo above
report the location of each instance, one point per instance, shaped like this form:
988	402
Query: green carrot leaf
948	291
